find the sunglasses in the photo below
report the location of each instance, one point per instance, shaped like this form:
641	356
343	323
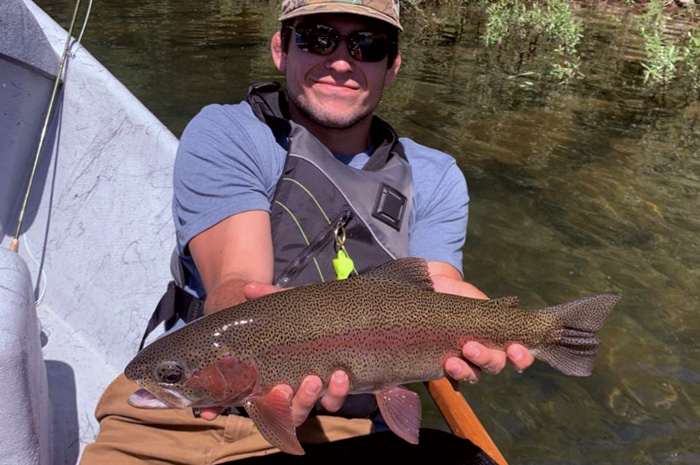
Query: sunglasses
320	39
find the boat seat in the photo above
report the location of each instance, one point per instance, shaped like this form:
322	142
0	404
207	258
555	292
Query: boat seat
25	428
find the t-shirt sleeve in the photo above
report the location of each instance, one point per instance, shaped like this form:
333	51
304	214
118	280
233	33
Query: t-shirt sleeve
439	226
224	166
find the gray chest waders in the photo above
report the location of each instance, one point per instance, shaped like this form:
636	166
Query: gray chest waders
317	194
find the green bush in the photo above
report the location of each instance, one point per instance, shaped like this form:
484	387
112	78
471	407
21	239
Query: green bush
523	27
670	58
540	38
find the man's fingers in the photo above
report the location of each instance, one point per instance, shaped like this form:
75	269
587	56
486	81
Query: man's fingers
462	371
519	357
255	290
305	398
338	389
210	413
490	361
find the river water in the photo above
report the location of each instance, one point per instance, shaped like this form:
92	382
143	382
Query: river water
575	189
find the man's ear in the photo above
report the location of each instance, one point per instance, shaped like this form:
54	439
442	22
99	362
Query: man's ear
393	70
278	55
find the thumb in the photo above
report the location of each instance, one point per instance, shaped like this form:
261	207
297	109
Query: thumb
255	290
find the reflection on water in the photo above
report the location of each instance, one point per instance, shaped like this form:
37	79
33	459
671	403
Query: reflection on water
575	190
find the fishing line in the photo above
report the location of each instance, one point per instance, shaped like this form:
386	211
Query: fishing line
85	22
42	278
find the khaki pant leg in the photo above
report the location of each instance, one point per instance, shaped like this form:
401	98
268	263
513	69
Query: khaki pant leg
130	436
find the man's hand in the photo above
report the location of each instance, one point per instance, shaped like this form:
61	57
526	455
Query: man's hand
492	361
479	359
310	391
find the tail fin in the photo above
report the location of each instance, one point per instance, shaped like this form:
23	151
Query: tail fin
571	346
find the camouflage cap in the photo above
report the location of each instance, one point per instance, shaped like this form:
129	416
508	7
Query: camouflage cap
384	10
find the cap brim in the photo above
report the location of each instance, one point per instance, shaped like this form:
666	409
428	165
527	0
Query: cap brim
341	8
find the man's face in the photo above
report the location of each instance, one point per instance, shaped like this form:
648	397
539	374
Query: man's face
335	91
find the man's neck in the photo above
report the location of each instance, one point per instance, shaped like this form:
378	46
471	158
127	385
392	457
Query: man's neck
347	141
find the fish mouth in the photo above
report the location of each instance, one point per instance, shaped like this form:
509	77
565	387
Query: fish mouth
166	398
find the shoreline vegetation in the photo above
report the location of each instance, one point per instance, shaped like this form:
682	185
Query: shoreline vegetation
542	40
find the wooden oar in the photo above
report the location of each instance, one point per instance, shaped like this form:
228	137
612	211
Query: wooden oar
461	418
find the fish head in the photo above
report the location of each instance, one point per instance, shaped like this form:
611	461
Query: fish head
189	380
164	384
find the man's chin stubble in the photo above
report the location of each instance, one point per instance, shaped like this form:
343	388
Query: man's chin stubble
329	121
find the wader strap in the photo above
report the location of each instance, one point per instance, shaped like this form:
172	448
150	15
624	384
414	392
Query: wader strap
269	105
175	304
387	145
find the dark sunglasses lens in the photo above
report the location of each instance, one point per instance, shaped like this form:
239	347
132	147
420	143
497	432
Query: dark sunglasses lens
318	39
368	46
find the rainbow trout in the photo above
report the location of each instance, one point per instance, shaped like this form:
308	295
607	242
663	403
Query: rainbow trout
385	328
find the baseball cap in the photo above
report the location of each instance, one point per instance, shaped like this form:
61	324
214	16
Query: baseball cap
384	10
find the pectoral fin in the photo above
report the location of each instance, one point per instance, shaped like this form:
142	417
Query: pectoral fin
272	414
401	411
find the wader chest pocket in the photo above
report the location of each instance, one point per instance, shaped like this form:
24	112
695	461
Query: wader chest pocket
390	206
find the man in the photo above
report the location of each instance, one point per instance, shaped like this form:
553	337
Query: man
250	181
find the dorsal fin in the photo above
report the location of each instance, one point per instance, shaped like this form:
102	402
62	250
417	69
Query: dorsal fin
410	271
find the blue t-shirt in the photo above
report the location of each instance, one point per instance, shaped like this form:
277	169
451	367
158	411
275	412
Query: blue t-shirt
229	162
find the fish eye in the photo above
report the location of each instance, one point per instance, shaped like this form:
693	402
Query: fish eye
169	372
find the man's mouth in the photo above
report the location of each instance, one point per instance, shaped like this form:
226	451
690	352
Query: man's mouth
331	83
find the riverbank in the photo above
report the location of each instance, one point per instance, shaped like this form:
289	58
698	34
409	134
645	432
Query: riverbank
541	39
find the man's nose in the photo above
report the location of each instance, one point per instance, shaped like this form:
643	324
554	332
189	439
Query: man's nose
340	60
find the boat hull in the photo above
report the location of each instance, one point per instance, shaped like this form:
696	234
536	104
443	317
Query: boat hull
97	239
